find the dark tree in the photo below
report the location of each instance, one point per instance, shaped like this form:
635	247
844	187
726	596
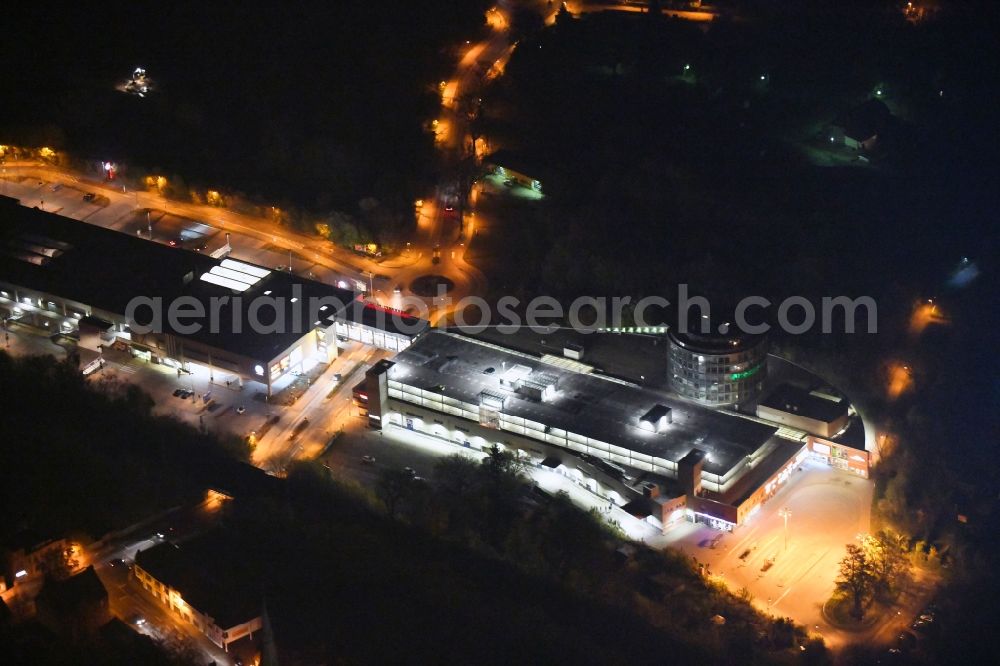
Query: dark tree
392	488
857	578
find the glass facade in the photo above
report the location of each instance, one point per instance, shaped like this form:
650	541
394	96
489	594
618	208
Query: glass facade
712	375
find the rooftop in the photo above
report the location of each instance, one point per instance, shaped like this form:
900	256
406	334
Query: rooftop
206	572
713	342
106	269
591	405
795	400
637	358
380	317
68	595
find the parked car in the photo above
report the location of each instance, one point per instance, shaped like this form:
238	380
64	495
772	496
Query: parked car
241	409
89	196
906	641
410	471
368	460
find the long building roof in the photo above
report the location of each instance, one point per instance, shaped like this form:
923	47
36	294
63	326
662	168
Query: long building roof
106	269
590	405
206	572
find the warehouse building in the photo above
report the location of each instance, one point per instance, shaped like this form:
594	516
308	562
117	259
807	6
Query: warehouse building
62	276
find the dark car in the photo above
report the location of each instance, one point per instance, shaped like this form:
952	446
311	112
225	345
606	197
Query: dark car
89	196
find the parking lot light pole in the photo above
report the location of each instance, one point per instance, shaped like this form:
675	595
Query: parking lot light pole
785	513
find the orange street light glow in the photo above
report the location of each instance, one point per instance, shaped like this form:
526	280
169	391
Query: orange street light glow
900	380
924	314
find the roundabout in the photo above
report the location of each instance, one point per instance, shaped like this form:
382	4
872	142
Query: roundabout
431	286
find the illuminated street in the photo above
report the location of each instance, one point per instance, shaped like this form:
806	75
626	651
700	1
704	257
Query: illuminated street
253	239
637	331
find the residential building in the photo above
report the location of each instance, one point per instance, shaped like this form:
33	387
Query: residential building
201	582
75	607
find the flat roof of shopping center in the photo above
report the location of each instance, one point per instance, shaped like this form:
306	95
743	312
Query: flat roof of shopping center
106	269
590	405
810	404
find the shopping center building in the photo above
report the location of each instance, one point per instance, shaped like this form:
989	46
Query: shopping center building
705	464
59	276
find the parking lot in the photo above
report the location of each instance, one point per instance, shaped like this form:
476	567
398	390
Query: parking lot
789	571
173	230
361	454
211	400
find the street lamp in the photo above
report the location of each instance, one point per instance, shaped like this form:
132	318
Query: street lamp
785	513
